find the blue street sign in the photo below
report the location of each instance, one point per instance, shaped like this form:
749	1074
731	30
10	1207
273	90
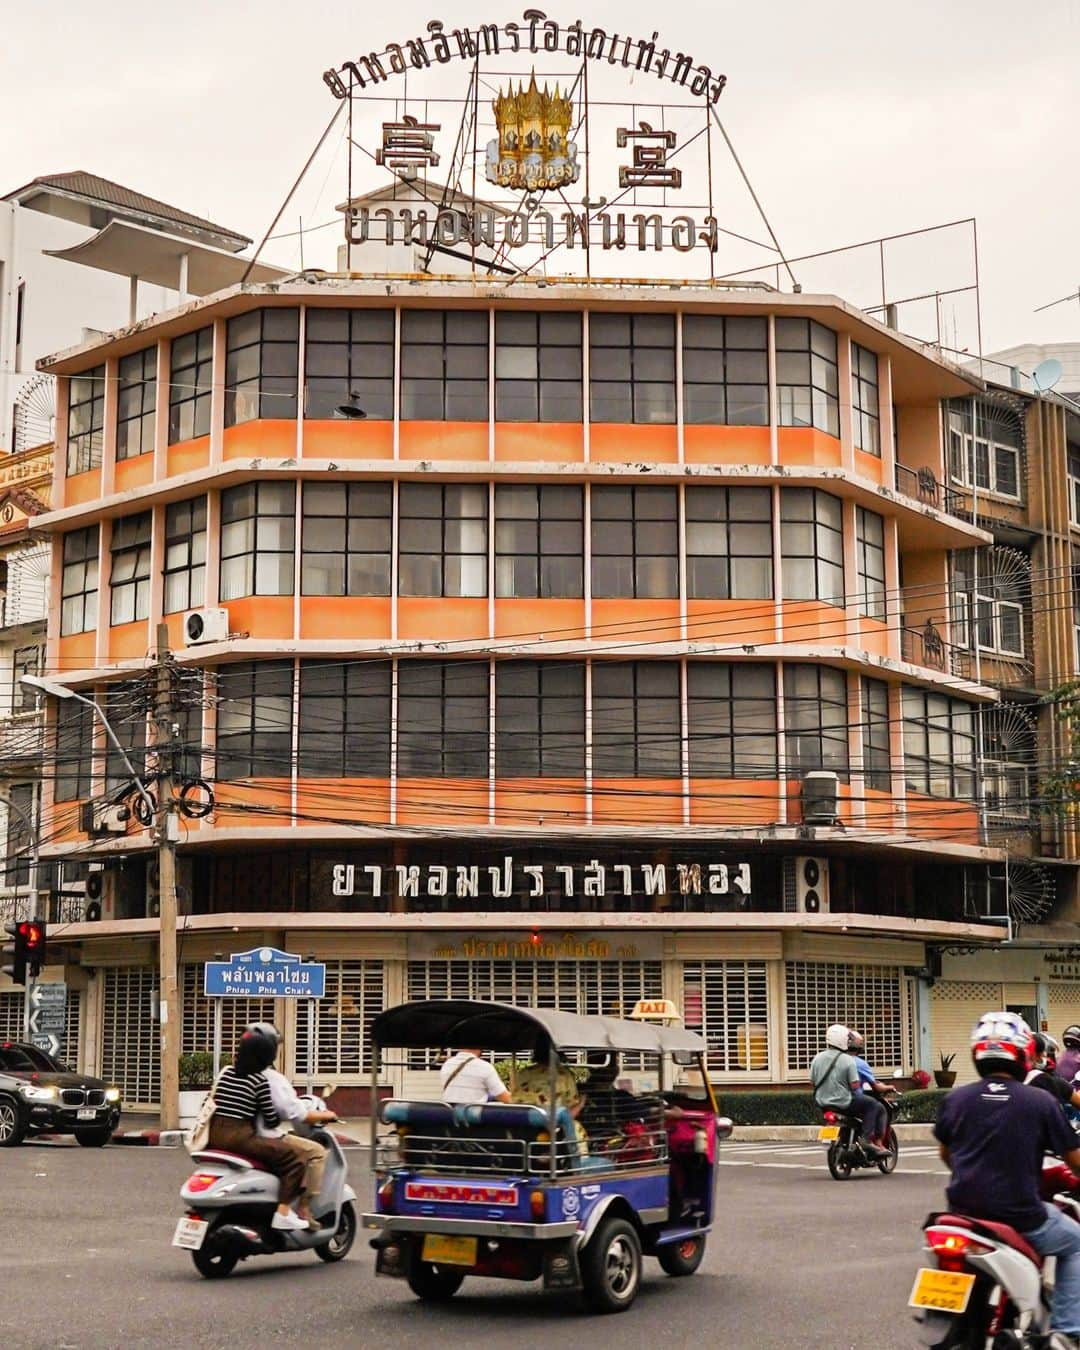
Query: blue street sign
264	972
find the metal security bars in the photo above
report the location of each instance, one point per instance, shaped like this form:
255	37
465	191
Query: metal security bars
129	1039
197	1031
355	995
867	998
727	1002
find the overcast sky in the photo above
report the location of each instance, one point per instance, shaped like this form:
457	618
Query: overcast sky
854	120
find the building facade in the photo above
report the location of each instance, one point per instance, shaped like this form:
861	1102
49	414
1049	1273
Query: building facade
560	642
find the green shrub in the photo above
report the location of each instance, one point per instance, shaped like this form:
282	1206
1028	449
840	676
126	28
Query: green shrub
196	1071
796	1107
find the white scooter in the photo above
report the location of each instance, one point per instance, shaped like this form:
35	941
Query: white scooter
231	1200
988	1285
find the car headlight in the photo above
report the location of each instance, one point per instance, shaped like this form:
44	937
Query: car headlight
38	1094
112	1094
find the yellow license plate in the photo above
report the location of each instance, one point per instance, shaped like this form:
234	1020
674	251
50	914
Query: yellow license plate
945	1290
449	1251
828	1132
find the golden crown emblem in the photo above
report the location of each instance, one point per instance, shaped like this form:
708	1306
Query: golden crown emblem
533	150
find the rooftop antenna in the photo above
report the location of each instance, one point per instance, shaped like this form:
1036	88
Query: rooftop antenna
1046	374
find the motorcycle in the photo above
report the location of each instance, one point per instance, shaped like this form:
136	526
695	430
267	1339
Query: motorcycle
987	1285
847	1147
230	1203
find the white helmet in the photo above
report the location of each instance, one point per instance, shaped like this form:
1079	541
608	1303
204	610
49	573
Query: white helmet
836	1038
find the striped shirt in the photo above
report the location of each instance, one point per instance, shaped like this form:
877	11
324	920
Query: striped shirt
243	1098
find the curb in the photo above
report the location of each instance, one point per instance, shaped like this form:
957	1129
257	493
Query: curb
150	1138
790	1133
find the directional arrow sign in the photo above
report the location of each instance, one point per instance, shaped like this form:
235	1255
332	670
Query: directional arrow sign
48	1007
51	992
48	1019
47	1042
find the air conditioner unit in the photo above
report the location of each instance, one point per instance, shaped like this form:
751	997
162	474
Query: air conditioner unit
101	894
206	625
820	793
104	818
806	885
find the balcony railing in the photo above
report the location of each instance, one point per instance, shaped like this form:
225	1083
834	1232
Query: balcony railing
922	486
21	739
926	646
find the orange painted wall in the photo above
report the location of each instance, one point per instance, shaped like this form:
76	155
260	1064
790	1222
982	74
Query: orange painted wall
871	635
807	445
812	621
363	800
187	456
882	810
637	801
931	818
550	442
64	823
176	629
869	466
82	487
626	444
443	440
539	801
272	796
129	641
727	445
344	616
348	440
76	650
750	621
651	620
133	473
442	801
272	439
268	616
734	801
439	618
556	620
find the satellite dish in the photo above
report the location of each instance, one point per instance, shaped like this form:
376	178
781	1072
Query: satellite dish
1046	374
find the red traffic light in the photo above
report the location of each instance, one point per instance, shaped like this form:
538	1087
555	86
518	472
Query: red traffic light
32	935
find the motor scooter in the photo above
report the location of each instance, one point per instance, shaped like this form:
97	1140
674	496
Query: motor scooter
988	1285
231	1200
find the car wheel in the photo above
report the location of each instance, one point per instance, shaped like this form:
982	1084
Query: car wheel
12	1124
94	1138
434	1284
682	1258
344	1235
611	1267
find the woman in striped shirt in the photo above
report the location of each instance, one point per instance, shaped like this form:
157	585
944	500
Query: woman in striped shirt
241	1094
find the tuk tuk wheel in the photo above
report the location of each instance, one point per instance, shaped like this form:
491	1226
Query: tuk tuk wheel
434	1284
682	1258
611	1267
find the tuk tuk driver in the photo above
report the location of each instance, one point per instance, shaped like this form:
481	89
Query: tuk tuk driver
467	1079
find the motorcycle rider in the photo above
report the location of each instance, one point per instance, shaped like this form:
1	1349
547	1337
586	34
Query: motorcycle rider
992	1135
856	1048
291	1111
1068	1065
837	1086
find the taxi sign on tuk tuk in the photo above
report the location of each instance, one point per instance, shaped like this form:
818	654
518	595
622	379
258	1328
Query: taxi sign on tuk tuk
655	1010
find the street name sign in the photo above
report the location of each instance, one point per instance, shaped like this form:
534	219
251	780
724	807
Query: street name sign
264	972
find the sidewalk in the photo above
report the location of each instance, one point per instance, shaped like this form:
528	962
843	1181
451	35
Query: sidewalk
146	1129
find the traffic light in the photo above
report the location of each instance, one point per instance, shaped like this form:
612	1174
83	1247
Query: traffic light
27	951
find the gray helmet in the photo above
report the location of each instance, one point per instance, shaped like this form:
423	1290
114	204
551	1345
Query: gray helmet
266	1029
1070	1038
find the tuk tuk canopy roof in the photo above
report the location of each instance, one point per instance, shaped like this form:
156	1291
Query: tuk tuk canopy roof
464	1024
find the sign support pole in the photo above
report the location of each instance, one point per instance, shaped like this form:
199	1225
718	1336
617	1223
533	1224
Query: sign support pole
311	1047
217	1038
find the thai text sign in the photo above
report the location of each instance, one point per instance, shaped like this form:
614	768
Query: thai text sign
264	972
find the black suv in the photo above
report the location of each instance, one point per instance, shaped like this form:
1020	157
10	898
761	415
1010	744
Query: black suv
40	1095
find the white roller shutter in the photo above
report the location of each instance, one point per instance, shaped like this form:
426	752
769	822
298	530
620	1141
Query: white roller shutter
129	1041
955	1007
1064	1005
11	1022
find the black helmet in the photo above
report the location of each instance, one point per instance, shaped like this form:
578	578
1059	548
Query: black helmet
257	1049
1070	1037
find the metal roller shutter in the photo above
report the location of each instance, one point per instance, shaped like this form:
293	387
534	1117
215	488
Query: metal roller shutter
355	994
197	1032
11	1022
873	999
955	1007
1064	1005
129	1043
727	1002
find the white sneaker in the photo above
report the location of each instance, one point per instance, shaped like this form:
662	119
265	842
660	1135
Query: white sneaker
290	1221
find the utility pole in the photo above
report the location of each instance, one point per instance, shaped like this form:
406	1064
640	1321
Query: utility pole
167	830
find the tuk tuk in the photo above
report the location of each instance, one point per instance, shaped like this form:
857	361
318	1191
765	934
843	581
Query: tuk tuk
573	1182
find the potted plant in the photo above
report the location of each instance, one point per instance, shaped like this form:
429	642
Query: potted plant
945	1077
196	1079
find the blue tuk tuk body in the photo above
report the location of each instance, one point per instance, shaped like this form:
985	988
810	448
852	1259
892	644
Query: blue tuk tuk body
514	1191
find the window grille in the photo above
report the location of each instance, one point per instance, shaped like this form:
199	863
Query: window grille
868	998
727	1002
349	359
129	1042
191	365
592	988
537	367
355	994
